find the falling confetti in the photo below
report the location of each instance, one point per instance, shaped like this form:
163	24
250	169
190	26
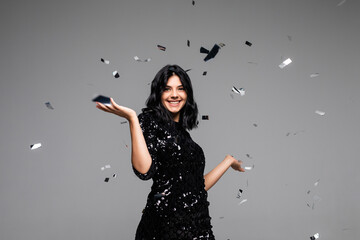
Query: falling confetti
212	53
255	125
116	74
139	60
321	113
205	117
105	61
285	63
123	122
35	146
249	168
162	48
239	193
341	3
289	37
204	73
102	99
49	106
316	183
314	75
253	63
188	43
248	43
316	236
107	166
248	155
107	179
102	168
187	70
193	3
242	201
240	91
114	175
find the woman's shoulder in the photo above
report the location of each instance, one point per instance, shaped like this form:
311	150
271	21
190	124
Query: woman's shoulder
147	117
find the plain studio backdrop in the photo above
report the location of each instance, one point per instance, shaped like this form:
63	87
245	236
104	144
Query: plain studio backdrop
305	178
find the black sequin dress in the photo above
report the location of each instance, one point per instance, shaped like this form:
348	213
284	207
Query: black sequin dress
177	206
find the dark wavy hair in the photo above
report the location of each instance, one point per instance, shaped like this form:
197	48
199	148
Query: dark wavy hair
189	113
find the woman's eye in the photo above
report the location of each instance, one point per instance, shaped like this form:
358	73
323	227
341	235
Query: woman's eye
181	89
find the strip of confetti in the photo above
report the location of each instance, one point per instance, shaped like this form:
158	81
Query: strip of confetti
107	179
35	146
314	75
341	3
205	117
285	63
193	3
162	48
321	113
49	106
248	43
105	61
139	60
204	73
188	43
242	201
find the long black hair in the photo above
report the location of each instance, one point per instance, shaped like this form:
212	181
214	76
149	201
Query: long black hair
189	113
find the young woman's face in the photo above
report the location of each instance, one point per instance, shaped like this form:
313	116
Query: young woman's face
174	97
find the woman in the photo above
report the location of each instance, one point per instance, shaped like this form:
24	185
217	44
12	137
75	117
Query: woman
162	149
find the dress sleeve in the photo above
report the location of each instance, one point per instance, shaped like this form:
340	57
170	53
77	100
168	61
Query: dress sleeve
150	129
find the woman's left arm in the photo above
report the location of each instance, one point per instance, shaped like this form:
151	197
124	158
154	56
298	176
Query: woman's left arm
214	175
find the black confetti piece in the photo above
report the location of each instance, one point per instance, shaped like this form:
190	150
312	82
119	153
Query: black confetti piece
116	74
49	106
205	117
162	48
107	179
248	43
204	73
188	43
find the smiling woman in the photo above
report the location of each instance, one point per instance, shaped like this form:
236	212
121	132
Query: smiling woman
162	150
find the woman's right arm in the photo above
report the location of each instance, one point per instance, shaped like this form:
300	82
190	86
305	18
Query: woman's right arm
140	156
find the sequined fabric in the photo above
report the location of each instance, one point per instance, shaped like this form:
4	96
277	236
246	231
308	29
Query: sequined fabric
177	206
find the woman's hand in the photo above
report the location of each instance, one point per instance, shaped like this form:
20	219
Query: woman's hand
117	110
236	164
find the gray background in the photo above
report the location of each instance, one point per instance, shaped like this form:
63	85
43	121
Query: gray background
51	50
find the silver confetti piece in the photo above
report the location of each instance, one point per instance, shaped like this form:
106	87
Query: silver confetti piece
35	146
285	63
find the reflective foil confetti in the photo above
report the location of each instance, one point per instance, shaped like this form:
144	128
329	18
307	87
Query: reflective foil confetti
162	48
285	63
242	201
107	179
35	146
314	75
321	113
114	175
240	91
49	106
188	43
204	73
341	3
315	236
249	168
317	183
105	61
116	74
205	117
102	168
248	43
139	60
221	44
107	166
239	193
